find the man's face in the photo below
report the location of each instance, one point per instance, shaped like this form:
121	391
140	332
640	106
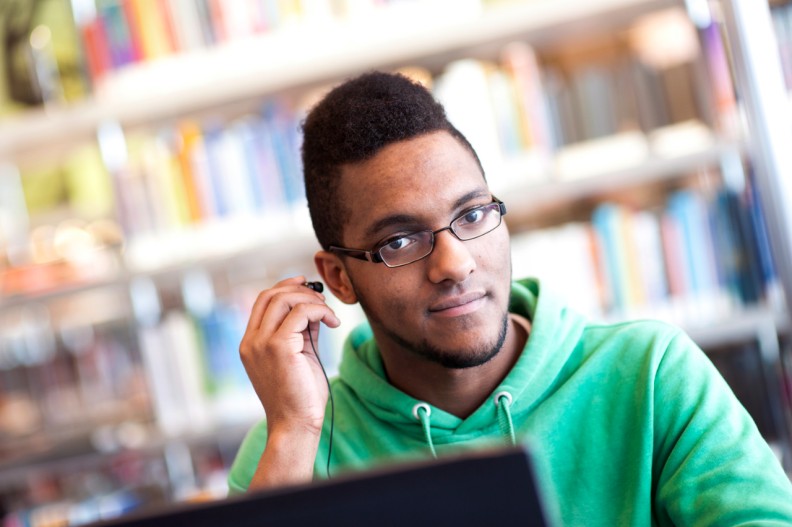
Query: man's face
450	307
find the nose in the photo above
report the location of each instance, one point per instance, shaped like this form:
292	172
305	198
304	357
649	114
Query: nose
450	259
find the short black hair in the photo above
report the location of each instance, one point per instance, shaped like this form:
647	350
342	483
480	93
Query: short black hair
351	124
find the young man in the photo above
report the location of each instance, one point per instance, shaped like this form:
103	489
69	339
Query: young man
631	423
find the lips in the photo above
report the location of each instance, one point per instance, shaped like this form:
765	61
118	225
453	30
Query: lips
456	302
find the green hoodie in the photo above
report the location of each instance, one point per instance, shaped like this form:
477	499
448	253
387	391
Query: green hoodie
630	424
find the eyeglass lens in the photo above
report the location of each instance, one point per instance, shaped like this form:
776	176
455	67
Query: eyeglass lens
413	247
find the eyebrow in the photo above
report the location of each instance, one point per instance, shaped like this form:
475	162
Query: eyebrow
405	219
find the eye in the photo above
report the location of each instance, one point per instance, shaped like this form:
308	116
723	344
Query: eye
398	244
473	216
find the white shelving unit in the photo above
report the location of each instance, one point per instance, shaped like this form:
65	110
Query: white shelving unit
307	55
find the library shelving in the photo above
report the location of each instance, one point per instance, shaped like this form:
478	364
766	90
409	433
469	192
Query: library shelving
428	32
184	255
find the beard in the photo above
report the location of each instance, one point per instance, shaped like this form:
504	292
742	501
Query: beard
477	355
454	359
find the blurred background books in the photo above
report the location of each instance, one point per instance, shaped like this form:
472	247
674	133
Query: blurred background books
150	186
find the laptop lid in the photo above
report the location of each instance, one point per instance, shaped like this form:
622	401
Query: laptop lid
493	487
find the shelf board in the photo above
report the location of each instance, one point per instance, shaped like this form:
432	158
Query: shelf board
79	452
531	200
173	259
306	55
750	324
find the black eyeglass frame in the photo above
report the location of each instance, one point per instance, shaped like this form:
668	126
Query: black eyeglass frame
374	256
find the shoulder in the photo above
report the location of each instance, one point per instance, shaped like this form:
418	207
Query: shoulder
631	336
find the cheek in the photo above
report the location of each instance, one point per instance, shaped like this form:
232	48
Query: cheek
496	256
387	296
497	263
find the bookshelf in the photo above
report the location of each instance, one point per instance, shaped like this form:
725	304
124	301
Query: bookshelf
227	257
247	239
428	32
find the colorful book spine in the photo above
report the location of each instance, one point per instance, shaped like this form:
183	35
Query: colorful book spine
606	220
184	18
272	186
521	62
674	256
120	38
690	210
696	260
244	131
148	22
285	142
134	25
717	63
96	49
764	253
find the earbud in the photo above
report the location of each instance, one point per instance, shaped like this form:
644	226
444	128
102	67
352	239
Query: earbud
316	286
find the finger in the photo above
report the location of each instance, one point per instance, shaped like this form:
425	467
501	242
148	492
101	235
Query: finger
281	304
302	315
262	301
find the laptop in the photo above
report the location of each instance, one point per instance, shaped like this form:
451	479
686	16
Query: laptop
495	487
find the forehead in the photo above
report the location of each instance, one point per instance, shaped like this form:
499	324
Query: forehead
421	177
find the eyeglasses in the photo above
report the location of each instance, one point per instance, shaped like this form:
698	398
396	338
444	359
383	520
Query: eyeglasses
409	248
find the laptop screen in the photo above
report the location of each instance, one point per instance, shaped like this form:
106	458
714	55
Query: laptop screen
485	488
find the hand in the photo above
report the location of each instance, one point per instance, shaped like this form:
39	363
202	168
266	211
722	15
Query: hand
279	360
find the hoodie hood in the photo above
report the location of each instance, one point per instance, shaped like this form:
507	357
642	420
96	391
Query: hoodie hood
554	332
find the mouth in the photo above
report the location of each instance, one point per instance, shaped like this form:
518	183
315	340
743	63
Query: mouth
458	305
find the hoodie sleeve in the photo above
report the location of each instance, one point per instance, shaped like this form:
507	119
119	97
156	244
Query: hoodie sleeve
711	465
247	459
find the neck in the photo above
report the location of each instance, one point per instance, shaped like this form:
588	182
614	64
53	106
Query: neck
457	391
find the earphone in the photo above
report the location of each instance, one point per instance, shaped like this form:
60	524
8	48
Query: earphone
319	287
316	286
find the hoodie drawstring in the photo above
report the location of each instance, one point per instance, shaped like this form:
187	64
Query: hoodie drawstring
503	402
423	417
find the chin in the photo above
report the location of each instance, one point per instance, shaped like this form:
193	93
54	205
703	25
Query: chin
459	361
468	354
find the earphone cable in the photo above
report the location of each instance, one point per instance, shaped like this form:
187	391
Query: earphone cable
332	403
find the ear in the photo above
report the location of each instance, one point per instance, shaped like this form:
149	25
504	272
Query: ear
335	277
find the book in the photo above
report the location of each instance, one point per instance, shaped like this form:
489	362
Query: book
231	177
606	221
594	90
87	182
268	171
756	217
690	211
186	136
782	24
200	170
188	33
503	97
564	122
679	87
123	48
244	132
562	259
96	50
284	135
651	103
134	27
463	89
149	23
717	63
521	62
648	246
